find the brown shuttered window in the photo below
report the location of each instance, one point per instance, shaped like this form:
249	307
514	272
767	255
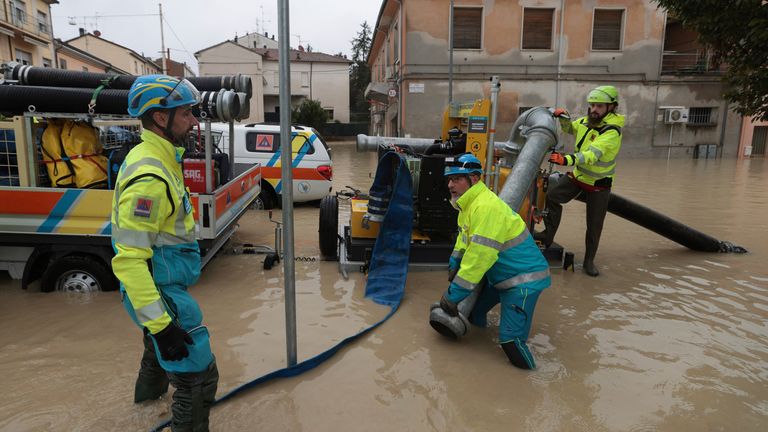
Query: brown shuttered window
606	34
467	28
537	28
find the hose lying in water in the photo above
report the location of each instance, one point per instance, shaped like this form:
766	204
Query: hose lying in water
666	226
386	277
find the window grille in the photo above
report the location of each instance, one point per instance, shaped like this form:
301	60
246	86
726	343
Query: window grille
700	116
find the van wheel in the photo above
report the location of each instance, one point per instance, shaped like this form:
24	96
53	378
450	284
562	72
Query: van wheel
265	201
329	227
78	274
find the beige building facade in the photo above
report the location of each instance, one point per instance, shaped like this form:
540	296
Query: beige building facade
115	54
72	58
314	75
26	32
550	53
229	58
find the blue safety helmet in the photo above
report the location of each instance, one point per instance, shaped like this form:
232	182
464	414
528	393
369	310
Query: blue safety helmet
465	164
160	92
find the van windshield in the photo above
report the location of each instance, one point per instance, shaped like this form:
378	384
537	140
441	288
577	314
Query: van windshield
322	141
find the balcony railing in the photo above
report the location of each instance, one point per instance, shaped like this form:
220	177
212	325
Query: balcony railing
689	63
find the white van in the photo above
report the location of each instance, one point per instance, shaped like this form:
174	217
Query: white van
260	143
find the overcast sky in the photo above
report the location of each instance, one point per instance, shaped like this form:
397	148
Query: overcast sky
191	25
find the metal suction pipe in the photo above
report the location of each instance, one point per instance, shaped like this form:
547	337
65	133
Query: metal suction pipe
245	106
453	327
221	105
419	145
533	135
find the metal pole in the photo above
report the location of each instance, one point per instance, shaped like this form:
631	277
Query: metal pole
287	179
231	150
162	40
450	56
208	153
669	147
495	86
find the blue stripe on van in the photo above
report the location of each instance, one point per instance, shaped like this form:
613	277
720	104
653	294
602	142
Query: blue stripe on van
299	156
60	210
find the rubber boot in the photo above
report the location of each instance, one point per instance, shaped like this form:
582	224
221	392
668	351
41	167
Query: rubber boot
192	400
597	207
518	354
544	238
152	381
590	268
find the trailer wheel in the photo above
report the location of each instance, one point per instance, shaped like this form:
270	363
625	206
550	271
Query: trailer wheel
78	273
329	227
270	260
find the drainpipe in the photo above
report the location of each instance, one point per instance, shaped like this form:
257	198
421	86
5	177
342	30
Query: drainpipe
533	135
722	130
658	82
559	53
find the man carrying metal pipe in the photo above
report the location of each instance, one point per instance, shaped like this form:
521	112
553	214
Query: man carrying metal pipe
493	245
598	141
157	256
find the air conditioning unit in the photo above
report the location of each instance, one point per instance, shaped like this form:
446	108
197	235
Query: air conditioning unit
676	115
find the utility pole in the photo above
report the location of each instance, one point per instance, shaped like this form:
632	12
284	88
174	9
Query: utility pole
450	56
162	40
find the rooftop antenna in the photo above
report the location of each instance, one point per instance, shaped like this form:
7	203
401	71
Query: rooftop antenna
298	36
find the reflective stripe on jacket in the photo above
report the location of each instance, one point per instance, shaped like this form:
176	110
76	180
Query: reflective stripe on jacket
152	218
494	241
596	148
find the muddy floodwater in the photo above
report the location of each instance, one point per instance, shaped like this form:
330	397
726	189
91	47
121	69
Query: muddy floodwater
666	339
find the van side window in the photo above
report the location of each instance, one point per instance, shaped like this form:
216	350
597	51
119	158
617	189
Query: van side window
262	142
270	143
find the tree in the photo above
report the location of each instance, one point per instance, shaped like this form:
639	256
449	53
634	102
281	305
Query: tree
359	72
737	33
310	113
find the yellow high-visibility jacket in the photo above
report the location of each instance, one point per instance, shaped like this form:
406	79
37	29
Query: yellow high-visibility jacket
152	219
596	148
494	242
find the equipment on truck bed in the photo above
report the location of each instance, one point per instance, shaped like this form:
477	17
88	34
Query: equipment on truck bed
62	142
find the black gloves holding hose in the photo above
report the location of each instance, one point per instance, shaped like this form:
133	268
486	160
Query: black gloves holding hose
172	342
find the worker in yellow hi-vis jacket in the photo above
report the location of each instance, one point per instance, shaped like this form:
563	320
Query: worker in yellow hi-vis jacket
157	256
598	141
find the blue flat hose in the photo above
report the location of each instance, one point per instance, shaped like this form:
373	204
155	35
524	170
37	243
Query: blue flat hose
387	271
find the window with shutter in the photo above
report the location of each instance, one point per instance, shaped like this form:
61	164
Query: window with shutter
606	30
537	28
467	28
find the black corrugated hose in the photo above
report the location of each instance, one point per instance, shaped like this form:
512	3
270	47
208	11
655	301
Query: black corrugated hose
40	76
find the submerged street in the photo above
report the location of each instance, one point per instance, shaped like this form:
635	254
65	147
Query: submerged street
665	339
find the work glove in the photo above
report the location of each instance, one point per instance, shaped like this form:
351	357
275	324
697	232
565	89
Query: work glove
448	306
172	342
557	158
561	113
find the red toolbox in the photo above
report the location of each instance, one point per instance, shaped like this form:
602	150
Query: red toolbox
194	175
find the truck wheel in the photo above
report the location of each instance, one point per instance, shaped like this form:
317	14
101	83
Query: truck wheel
329	227
267	198
78	273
